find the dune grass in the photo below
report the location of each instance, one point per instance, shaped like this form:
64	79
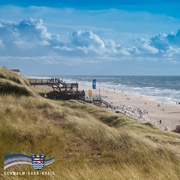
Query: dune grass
13	76
87	142
13	83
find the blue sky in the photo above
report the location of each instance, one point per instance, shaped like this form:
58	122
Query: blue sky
90	37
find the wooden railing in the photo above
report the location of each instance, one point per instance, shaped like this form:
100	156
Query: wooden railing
52	81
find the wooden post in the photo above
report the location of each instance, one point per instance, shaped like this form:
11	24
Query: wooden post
99	90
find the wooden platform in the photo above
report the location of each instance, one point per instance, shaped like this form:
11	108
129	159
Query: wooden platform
61	89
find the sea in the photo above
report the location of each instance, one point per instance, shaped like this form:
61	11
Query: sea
163	88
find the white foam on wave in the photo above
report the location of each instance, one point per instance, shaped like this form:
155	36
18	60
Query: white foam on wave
162	95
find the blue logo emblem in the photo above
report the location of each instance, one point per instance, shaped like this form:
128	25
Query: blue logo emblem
36	160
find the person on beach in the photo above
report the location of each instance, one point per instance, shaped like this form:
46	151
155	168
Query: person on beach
160	122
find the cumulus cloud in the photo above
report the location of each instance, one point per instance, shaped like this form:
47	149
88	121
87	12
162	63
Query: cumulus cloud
146	48
172	52
174	38
160	42
87	39
24	37
89	43
30	38
168	44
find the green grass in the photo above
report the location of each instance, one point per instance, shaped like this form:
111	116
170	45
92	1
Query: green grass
87	142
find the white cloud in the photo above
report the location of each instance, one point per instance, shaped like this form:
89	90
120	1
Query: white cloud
168	45
1	43
145	48
45	43
30	38
172	52
27	37
87	39
63	48
160	42
174	39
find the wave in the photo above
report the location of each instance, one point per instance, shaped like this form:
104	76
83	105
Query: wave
164	89
162	95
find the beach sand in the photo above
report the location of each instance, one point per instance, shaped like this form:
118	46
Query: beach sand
168	113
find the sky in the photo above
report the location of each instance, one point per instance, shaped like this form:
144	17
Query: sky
67	37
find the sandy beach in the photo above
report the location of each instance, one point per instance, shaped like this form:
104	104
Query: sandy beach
169	114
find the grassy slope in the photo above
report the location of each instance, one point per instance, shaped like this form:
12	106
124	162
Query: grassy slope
88	142
13	83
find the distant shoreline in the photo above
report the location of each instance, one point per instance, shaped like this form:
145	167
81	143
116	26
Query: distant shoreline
163	88
166	112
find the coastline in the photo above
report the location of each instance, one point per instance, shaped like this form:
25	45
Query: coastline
168	113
